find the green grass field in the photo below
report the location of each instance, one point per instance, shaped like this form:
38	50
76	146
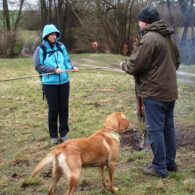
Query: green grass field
94	94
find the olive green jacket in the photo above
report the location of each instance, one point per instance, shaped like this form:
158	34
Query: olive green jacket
154	62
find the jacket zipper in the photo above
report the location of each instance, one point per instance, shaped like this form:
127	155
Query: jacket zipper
57	66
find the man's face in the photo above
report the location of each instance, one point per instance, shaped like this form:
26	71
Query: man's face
142	25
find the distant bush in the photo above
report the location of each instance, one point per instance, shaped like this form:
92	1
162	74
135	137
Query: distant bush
7	43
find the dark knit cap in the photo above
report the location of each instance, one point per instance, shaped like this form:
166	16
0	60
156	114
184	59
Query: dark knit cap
149	15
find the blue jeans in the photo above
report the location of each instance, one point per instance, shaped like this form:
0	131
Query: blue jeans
161	133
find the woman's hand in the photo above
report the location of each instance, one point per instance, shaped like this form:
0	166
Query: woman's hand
74	69
59	71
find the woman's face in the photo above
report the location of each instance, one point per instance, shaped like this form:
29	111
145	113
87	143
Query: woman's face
52	37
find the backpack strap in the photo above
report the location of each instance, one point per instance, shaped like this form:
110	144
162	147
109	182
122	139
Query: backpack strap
58	45
44	49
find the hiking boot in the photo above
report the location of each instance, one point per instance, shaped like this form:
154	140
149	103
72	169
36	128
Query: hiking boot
172	169
64	138
151	171
54	140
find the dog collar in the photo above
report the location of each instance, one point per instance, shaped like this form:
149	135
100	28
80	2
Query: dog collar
115	136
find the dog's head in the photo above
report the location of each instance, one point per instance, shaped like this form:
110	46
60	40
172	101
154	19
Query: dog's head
116	122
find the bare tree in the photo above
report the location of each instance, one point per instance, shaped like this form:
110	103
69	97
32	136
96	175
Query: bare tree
115	19
18	16
9	33
187	22
44	11
107	21
6	16
170	12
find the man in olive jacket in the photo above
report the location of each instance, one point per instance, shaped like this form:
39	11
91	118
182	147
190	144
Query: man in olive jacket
153	63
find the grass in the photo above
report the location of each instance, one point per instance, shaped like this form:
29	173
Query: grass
94	94
189	68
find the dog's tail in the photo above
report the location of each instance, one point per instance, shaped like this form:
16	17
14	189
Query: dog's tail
48	159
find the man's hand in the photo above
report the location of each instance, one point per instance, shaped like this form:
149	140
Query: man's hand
121	65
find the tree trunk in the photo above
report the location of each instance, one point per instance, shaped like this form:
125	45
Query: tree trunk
44	12
50	11
19	15
6	15
171	17
187	21
60	18
129	28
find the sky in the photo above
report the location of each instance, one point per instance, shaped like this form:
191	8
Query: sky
14	4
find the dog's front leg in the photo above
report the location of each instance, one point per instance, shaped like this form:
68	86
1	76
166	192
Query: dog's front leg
111	167
101	170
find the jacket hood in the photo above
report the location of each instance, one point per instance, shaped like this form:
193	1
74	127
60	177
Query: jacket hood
50	28
159	27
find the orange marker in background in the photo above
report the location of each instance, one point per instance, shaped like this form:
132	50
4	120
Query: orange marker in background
94	45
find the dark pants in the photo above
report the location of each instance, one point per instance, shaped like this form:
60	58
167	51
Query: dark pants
57	98
161	134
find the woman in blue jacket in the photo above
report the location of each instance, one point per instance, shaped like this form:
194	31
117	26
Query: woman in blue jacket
51	57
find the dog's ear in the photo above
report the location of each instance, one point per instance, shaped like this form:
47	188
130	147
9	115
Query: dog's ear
112	121
123	123
117	122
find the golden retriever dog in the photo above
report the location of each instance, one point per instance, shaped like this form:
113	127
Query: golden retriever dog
99	150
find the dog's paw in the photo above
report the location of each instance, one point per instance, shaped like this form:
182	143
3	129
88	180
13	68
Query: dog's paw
103	187
114	189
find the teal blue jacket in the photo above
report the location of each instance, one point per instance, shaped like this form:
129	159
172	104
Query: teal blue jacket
54	59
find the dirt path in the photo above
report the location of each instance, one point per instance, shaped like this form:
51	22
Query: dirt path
185	137
184	77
